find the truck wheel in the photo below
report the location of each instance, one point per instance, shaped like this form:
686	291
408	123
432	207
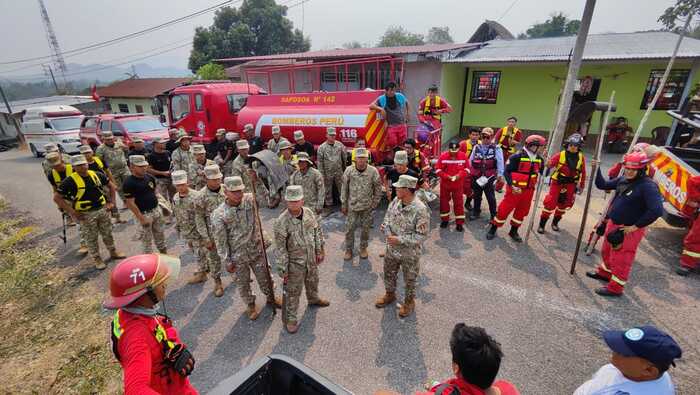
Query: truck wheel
35	152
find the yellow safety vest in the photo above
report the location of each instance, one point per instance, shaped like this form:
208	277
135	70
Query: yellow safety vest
57	176
506	134
99	163
470	147
562	163
426	109
118	331
85	205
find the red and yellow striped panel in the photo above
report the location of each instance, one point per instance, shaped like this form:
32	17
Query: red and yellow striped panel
375	130
672	180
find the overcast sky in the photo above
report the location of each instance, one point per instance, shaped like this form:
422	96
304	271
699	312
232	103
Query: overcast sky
329	23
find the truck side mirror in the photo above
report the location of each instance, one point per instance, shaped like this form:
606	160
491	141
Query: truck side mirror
162	119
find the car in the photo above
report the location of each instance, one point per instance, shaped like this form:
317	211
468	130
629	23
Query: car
52	124
124	126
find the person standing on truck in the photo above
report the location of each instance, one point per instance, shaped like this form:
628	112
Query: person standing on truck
300	247
487	167
195	173
255	142
568	179
172	143
153	358
301	145
311	182
509	136
113	155
238	242
139	147
637	204
432	107
690	257
394	107
274	143
140	191
452	167
521	173
331	164
467	146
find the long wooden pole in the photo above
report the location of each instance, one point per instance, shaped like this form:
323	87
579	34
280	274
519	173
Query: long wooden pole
262	239
591	179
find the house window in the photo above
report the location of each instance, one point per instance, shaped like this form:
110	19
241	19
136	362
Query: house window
123	107
670	98
139	108
485	87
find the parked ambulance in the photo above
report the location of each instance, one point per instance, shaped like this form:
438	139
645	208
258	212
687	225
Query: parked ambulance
52	124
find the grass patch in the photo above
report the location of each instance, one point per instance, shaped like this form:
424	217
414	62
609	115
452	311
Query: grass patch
53	338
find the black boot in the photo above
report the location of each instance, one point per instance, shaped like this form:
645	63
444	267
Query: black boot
459	228
555	224
444	224
491	232
514	234
682	271
468	204
543	222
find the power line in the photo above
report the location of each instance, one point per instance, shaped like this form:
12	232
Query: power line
507	10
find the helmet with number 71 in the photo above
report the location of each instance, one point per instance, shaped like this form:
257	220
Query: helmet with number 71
136	275
635	160
535	139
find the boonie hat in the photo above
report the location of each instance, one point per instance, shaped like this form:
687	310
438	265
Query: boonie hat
106	135
276	129
138	160
645	342
304	156
220	132
160	140
137	140
330	131
198	149
50	147
298	135
53	158
85	149
179	177
183	135
405	181
242	144
212	172
284	144
77	160
294	193
401	158
361	153
248	127
233	184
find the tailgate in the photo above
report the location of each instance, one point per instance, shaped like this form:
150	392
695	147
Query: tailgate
671	175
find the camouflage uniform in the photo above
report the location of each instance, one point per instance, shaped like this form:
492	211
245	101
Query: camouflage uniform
96	223
360	195
273	145
186	226
205	203
195	174
240	169
411	224
180	160
237	238
312	184
331	163
298	242
115	159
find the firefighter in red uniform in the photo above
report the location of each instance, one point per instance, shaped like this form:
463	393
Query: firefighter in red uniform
467	146
451	167
690	258
145	343
568	178
432	107
521	173
508	137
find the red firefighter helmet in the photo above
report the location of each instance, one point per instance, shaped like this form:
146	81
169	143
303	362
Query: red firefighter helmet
535	139
639	147
635	160
135	275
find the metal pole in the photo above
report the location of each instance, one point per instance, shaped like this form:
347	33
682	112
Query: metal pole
591	179
53	78
20	136
572	75
262	239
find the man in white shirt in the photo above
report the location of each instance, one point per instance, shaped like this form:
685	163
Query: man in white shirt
640	359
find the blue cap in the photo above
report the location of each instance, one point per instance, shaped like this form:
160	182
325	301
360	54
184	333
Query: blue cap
645	342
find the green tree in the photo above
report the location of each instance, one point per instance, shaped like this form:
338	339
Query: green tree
556	26
683	9
439	35
353	44
257	27
397	36
211	71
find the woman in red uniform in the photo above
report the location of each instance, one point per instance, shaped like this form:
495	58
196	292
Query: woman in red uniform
145	343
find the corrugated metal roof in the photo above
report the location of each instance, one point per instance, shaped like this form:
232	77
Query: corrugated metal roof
141	87
353	52
611	46
21	105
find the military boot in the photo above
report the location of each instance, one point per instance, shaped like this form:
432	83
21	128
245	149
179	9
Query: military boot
83	250
252	312
407	307
114	254
292	327
218	288
99	264
363	253
275	301
387	299
514	234
543	222
320	302
555	224
491	232
197	278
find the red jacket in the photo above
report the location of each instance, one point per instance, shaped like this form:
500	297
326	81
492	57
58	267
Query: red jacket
464	388
141	357
502	138
562	171
448	166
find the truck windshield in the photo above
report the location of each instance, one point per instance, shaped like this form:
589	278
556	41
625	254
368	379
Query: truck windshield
142	125
180	106
64	124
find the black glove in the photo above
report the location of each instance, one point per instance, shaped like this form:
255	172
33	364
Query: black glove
180	359
600	229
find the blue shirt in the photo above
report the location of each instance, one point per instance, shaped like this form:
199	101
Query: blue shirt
399	97
640	204
483	149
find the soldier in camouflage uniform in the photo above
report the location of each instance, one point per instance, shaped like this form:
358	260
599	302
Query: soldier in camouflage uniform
238	242
331	163
113	154
184	212
406	226
274	143
80	195
195	172
360	194
208	199
182	156
49	148
241	169
311	182
300	246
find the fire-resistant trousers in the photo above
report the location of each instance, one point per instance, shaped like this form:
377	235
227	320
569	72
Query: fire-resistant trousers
516	203
690	257
617	263
396	135
452	191
559	199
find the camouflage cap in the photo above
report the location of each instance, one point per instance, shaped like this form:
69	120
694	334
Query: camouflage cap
212	172
106	135
361	153
284	144
179	177
137	140
242	144
77	160
298	135
53	158
138	160
183	135
294	193
405	181
85	149
232	136
198	149
276	129
233	184
304	156
220	132
401	158
330	131
248	127
50	147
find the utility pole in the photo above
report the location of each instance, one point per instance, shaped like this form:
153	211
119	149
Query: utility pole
49	72
56	53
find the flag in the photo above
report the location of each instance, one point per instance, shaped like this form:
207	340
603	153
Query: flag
93	92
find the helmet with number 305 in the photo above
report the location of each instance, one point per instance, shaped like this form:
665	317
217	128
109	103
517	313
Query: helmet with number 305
136	275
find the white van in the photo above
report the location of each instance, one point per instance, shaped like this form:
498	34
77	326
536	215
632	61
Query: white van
52	124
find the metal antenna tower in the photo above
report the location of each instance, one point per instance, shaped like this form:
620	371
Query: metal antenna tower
56	55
